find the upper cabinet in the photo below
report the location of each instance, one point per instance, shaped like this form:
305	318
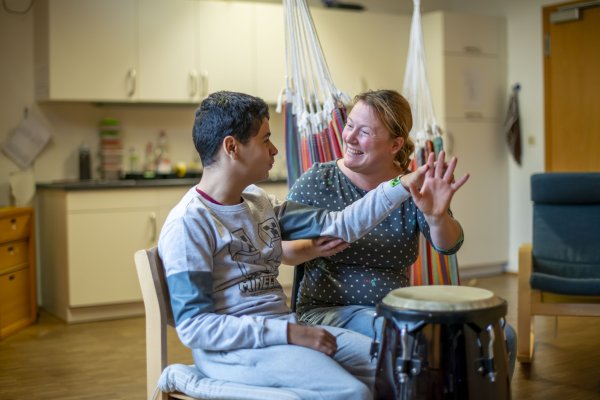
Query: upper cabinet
178	51
465	65
85	49
116	50
225	46
363	50
167	70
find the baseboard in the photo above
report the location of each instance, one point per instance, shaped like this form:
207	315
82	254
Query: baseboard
481	271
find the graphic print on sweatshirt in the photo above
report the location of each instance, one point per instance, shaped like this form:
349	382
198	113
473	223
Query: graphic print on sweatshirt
247	256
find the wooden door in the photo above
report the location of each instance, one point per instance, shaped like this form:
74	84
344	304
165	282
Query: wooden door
572	86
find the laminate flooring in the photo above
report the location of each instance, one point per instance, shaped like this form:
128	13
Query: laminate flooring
106	360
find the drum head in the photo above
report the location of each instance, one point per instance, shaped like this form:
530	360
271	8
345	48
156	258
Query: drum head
441	298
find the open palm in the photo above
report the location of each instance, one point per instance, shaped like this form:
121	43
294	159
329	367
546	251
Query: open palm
433	197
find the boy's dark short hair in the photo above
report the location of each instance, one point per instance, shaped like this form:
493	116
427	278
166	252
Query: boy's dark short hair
224	114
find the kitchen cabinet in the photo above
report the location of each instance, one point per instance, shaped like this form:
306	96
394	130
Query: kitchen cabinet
363	50
167	69
466	72
87	242
178	51
225	46
85	50
18	304
465	65
481	204
116	51
270	51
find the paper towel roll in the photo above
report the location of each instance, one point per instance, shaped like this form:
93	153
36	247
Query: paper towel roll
22	186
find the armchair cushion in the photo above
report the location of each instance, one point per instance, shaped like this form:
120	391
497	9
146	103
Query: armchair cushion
566	233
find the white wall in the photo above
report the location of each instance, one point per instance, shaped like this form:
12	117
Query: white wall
73	123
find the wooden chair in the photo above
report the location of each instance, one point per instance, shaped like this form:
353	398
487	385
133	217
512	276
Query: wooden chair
559	274
158	315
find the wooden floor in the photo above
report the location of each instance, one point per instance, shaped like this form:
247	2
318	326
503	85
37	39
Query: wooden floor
106	360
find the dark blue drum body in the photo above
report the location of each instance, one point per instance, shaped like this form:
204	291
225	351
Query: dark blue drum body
457	353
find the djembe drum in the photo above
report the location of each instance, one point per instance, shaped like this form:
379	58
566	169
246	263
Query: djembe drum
441	342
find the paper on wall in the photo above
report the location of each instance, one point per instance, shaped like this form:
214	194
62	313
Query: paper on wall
25	142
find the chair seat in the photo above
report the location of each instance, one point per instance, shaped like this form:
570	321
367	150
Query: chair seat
189	380
565	286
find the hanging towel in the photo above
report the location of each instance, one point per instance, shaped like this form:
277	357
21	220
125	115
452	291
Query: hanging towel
512	125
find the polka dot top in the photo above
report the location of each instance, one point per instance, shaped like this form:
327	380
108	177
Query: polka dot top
372	266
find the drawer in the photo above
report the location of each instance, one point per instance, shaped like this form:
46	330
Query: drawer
14	227
15	307
13	254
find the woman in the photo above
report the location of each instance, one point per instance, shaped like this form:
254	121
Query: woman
342	283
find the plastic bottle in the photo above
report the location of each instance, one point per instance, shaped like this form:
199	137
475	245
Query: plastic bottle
85	162
149	161
163	162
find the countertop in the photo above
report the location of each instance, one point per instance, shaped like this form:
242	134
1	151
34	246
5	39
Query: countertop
73	185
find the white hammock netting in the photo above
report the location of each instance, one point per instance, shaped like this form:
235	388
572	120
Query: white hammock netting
314	108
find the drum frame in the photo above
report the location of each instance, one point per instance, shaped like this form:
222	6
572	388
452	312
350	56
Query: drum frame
406	332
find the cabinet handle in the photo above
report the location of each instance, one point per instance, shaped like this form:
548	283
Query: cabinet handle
11	277
11	250
132	81
473	115
473	50
193	84
204	76
153	226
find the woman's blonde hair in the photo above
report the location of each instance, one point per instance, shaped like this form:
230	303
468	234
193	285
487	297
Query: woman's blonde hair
394	113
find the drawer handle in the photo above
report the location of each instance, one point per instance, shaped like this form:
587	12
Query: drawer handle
11	250
13	224
11	277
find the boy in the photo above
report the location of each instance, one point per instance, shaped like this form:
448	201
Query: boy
221	247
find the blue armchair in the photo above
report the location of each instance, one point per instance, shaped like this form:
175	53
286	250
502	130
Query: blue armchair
559	273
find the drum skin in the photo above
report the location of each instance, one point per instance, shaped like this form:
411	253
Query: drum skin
442	354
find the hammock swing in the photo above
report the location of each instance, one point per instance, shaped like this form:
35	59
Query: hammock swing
315	115
314	112
431	267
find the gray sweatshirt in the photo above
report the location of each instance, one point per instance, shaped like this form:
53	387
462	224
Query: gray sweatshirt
222	262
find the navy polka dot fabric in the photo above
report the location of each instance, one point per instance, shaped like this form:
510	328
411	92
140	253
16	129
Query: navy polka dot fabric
371	267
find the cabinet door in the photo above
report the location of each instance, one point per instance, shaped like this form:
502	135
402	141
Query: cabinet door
270	51
473	34
481	204
342	43
226	47
15	301
166	52
383	51
473	87
91	49
363	50
101	248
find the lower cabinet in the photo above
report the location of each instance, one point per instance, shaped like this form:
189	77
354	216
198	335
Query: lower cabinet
87	242
18	303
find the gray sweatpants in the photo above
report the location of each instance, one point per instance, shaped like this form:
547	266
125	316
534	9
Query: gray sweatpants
349	374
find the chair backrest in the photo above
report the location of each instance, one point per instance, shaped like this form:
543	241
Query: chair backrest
566	233
158	314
